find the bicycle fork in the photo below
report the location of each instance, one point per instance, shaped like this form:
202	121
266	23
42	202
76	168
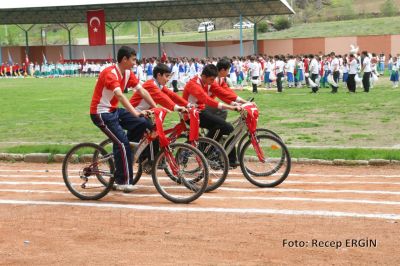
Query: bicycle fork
256	145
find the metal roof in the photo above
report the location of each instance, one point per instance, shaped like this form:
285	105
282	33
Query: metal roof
132	10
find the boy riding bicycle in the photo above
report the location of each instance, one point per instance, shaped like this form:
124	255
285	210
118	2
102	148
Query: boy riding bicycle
112	120
221	90
197	91
161	95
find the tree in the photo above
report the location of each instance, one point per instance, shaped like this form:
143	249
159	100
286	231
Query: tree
389	8
262	27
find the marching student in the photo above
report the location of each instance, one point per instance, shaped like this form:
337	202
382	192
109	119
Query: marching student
366	69
267	72
394	76
345	70
299	72
335	72
381	66
353	70
279	69
175	75
390	63
290	66
314	71
254	72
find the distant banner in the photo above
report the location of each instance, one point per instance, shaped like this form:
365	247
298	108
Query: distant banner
96	27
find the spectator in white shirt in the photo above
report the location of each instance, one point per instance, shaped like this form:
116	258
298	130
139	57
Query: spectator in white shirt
254	68
314	71
353	69
279	66
366	68
175	75
335	66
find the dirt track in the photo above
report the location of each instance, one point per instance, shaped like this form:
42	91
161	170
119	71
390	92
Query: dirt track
42	223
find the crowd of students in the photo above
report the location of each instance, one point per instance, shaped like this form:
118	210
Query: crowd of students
52	70
297	71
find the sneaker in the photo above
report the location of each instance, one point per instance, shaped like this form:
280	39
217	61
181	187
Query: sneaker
124	188
234	165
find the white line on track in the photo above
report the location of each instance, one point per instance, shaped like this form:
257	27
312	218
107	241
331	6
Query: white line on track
208	197
232	180
230	173
318	213
276	190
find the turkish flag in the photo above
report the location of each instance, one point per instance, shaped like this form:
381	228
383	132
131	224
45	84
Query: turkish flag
96	27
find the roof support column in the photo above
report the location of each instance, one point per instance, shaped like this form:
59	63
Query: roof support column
158	26
206	33
255	20
159	41
241	35
69	29
255	39
112	28
139	54
26	37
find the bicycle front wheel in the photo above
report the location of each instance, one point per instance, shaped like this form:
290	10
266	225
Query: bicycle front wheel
86	176
189	168
270	170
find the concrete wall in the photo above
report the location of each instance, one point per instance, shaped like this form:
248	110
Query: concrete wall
340	45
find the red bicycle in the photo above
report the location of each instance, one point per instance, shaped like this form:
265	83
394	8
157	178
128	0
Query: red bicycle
88	169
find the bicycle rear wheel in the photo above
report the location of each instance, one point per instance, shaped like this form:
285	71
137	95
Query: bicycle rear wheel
86	176
190	169
137	168
273	169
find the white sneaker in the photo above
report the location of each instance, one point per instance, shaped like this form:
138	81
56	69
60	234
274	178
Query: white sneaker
124	188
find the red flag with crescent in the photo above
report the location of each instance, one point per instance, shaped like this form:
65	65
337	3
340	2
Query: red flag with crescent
96	27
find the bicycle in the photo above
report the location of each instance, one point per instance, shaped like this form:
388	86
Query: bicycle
88	168
212	150
258	148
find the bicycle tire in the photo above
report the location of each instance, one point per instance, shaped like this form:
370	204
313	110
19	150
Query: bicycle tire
198	191
221	165
284	160
261	131
73	157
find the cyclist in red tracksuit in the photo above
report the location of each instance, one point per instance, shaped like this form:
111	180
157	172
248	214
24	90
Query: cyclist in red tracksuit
198	91
112	120
220	89
162	96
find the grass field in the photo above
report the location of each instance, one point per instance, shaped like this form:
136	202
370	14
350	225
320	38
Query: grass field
57	111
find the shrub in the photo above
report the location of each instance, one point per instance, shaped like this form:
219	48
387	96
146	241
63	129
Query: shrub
282	23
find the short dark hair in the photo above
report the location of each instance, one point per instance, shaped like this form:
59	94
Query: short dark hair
161	69
125	51
223	64
210	71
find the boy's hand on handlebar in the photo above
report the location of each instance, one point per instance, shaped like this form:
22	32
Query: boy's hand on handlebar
146	113
181	109
238	108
